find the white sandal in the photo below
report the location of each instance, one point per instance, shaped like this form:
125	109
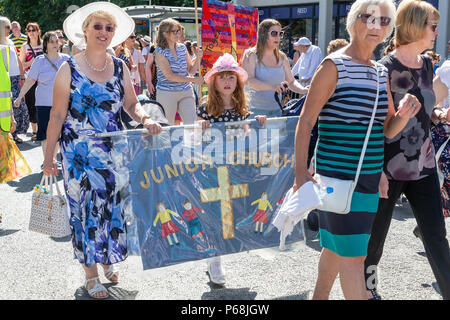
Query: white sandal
98	287
110	273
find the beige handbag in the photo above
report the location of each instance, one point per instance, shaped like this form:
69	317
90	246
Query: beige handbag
49	212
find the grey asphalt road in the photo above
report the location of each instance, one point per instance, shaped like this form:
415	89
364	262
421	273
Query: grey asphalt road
34	266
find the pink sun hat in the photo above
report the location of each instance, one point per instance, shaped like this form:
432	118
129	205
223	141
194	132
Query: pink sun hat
226	63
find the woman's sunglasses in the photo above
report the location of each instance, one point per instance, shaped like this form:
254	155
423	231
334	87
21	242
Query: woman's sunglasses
31	30
99	27
275	33
175	31
368	18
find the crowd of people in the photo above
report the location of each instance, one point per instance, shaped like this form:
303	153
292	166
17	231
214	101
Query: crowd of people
393	111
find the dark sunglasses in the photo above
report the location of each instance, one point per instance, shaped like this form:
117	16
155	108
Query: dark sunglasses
275	33
433	26
384	21
99	27
61	37
132	37
31	30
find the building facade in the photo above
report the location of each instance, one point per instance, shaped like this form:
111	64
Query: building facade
303	18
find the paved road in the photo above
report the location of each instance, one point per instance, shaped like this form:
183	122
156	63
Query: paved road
34	266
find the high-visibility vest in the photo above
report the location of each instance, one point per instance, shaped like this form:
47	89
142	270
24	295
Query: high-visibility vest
5	90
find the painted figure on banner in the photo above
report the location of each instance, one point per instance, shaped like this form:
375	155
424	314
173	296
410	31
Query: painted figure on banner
168	227
261	213
194	225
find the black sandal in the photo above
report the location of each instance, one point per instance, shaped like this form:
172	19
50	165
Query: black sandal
17	140
34	136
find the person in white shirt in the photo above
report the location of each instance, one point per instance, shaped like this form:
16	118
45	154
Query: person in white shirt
138	59
311	57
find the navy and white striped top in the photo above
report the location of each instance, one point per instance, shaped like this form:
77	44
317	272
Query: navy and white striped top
344	120
178	66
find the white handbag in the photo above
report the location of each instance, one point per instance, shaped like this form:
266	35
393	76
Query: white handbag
336	194
49	212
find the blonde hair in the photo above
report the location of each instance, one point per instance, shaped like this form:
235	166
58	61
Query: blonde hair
4	21
214	101
364	6
165	26
411	21
100	14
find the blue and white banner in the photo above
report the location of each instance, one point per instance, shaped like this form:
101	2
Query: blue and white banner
198	194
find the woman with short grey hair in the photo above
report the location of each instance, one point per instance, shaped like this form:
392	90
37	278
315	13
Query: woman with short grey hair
342	98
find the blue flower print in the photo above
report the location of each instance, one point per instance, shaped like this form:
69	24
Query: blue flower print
89	102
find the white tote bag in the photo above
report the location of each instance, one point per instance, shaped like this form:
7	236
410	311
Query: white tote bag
49	212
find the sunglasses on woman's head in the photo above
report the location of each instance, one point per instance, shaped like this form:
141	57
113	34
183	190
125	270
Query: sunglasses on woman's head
368	18
275	33
99	27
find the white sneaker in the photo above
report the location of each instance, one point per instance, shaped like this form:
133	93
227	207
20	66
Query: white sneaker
215	271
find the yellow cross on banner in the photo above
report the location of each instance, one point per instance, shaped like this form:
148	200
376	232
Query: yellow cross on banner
225	193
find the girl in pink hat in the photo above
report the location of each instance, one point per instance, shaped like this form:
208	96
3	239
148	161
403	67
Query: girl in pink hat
226	100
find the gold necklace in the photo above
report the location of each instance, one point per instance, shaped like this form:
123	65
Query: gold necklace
92	67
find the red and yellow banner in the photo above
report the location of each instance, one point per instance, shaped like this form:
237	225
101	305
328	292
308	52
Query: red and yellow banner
226	28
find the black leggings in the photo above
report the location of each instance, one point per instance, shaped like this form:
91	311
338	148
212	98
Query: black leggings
424	197
30	100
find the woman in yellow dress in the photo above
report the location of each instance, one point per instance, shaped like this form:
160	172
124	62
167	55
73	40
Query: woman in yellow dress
167	226
261	214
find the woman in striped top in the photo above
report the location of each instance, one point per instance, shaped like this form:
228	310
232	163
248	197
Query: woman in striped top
342	97
174	66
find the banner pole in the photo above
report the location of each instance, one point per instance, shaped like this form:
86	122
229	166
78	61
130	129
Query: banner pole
198	38
188	126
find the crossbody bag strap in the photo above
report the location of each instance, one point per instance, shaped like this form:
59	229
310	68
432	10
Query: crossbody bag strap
48	59
366	140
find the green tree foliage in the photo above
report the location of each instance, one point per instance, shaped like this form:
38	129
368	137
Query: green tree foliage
50	14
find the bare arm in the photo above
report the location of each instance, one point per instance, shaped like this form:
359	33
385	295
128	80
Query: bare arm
249	65
29	82
165	68
440	90
396	121
58	114
294	85
322	88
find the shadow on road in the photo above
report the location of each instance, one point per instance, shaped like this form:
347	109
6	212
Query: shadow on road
223	293
7	232
27	145
27	183
115	293
301	296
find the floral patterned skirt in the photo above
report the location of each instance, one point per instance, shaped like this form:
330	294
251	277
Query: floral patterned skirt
97	190
440	135
12	162
21	113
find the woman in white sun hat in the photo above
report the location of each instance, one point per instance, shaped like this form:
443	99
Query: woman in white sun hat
89	93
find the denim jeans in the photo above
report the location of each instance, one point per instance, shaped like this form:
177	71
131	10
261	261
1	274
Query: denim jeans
424	197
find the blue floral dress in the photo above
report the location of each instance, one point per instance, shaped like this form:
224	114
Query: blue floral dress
94	170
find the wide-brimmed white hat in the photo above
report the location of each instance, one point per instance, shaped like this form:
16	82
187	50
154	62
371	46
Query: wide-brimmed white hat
73	24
